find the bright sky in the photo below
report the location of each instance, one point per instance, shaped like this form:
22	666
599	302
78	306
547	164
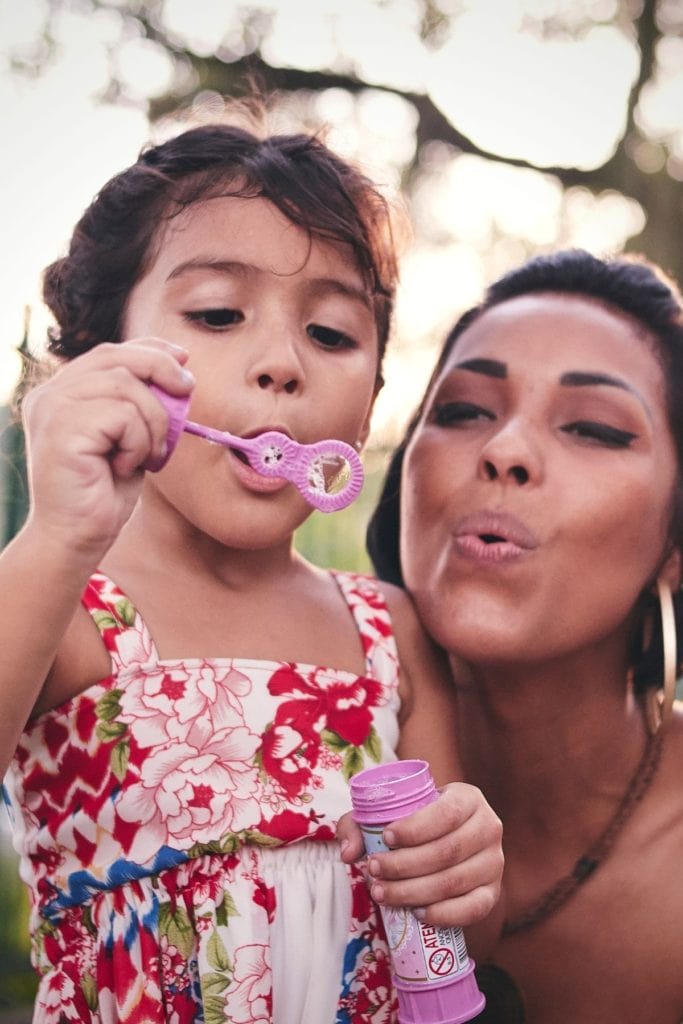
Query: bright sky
562	102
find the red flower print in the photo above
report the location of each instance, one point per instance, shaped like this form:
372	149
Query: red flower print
264	896
289	754
326	702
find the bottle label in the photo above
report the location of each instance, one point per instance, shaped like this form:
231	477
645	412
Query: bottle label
419	952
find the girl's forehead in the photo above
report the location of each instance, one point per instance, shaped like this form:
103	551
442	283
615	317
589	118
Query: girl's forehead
251	231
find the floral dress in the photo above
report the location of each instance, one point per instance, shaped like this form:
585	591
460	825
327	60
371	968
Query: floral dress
176	827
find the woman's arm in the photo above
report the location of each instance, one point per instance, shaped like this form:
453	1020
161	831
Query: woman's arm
427	718
448	859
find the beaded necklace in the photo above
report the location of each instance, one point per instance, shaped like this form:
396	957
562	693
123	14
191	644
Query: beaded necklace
598	851
505	1003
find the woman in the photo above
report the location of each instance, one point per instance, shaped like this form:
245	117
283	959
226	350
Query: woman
535	512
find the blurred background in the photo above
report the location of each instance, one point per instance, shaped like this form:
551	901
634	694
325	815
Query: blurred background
504	127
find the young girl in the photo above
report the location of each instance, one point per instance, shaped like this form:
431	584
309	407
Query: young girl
197	694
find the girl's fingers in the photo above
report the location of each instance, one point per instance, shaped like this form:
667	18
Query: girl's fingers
467	910
448	859
480	833
457	803
350	839
77	398
480	872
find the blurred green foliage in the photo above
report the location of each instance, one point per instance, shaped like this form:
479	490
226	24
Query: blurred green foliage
17	977
13	486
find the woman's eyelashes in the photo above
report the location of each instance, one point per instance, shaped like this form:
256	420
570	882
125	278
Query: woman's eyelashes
592	432
453	414
600	433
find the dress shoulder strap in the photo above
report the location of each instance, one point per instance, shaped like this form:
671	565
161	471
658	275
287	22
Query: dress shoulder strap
365	600
115	617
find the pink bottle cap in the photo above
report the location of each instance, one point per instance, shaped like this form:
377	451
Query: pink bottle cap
390	791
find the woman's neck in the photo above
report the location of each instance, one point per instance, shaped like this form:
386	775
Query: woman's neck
552	746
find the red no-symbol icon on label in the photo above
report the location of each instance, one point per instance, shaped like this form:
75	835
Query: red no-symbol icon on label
441	961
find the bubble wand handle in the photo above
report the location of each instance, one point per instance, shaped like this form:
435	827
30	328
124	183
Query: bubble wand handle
328	474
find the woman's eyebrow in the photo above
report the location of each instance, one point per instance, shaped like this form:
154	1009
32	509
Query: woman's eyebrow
583	378
489	367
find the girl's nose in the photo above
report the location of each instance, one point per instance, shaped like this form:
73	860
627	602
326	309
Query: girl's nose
278	367
277	382
510	456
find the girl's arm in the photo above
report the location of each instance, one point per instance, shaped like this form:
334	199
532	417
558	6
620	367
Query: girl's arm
88	430
448	859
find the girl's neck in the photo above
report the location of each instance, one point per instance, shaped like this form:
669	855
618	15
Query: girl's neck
169	545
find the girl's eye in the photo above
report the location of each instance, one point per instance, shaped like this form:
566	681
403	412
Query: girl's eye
215	319
329	338
448	414
600	433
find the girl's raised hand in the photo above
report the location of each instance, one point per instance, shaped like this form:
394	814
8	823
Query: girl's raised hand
446	860
89	430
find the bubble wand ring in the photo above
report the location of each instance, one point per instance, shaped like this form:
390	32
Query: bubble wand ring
328	474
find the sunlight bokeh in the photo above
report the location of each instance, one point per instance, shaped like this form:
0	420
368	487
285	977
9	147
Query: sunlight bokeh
473	218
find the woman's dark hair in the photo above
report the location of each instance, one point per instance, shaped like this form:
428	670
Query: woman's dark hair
632	285
114	241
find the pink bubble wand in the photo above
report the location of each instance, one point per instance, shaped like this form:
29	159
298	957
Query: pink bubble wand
328	474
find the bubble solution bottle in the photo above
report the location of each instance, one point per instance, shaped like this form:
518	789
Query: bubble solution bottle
432	973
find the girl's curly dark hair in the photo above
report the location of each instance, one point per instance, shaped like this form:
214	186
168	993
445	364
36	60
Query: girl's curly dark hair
113	244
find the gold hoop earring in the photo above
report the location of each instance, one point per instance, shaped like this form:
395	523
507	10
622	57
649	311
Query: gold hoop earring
669	645
659	703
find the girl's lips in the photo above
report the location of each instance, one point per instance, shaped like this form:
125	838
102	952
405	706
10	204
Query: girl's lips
493	537
251	480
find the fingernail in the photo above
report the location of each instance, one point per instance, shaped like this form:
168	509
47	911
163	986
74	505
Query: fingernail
373	866
420	913
389	837
187	376
344	845
377	892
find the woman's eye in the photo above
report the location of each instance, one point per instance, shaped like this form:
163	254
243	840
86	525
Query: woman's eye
328	337
600	433
448	414
215	319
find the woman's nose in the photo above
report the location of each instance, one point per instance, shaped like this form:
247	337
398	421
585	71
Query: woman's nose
494	471
509	456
